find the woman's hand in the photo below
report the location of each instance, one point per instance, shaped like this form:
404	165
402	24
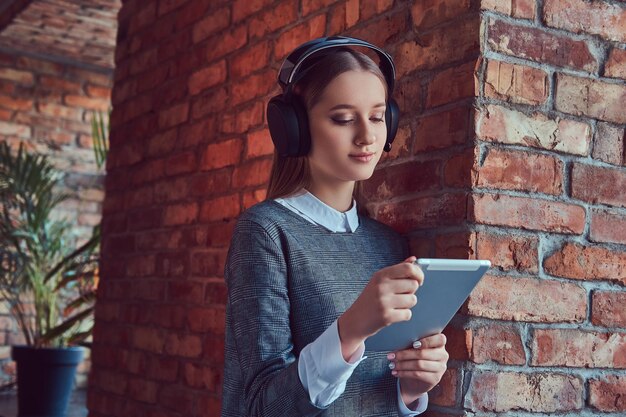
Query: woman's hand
420	369
387	298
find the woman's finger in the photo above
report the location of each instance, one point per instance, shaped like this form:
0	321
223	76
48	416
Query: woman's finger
434	341
418	365
438	354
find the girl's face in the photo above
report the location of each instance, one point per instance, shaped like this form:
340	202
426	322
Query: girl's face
349	119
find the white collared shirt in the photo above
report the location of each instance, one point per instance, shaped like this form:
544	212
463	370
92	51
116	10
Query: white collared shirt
322	368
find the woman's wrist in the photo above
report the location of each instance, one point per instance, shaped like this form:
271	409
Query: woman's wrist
407	395
348	337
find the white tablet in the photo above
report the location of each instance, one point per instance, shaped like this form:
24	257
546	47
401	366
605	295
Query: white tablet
447	284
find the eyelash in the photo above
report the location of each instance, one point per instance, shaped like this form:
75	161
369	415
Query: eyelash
345	122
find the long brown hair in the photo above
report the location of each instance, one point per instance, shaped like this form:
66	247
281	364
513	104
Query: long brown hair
290	174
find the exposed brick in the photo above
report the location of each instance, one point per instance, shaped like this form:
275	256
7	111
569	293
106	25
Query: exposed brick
273	19
201	376
573	347
180	163
599	185
173	116
522	9
246	62
525	171
244	8
20	77
451	85
98	91
207	77
427	14
607	226
213	182
256	172
391	181
442	130
527	213
224	42
59	84
57	110
576	261
400	146
252	87
259	143
222	208
616	64
14	129
381	31
588	97
537	392
609	144
499	124
142	390
149	339
87	102
179	214
188	292
607	308
459	245
608	394
516	83
501	344
206	319
245	118
215	21
424	212
460	169
443	45
444	393
209	264
310	6
579	16
540	46
218	155
290	39
14	103
527	299
508	252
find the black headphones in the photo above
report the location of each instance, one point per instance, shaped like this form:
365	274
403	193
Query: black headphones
287	118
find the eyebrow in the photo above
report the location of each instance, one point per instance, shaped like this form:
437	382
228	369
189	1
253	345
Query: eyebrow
348	106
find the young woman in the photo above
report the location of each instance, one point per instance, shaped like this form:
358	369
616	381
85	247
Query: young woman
310	275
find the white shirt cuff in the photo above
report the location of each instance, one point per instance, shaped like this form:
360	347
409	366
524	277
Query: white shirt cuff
405	411
322	368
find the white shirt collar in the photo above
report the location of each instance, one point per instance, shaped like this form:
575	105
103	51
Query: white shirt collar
308	205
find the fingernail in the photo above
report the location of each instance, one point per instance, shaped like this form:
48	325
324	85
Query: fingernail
391	356
417	344
392	365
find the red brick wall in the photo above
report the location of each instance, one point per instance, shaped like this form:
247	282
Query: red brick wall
47	106
499	155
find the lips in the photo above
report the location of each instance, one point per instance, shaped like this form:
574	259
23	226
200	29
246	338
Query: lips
362	154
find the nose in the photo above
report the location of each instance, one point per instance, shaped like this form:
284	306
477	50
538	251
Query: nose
366	134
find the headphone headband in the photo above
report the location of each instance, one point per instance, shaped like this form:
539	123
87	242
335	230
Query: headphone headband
294	60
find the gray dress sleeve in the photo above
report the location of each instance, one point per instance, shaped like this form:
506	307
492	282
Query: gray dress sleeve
258	301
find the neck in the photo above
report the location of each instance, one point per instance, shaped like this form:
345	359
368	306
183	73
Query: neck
338	197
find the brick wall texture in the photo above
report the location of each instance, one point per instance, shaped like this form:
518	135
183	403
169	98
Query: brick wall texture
510	148
48	106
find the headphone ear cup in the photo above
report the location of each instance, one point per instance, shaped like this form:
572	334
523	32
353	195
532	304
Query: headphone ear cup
288	123
282	122
304	134
392	119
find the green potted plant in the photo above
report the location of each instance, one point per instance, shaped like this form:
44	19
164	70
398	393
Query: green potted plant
49	283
